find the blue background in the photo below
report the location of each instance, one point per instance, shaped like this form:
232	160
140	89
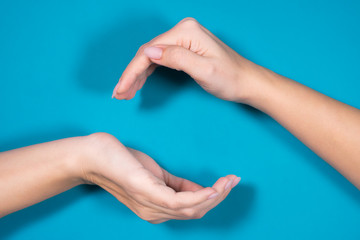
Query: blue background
59	61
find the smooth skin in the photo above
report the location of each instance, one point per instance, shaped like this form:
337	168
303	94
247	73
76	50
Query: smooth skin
328	127
31	174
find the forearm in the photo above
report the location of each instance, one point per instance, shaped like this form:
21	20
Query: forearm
31	174
329	127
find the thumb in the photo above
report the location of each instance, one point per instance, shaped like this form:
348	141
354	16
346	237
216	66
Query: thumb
177	57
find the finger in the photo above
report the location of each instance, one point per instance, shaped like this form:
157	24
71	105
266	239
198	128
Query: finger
236	182
180	184
131	92
223	183
140	66
189	199
216	201
222	187
135	71
140	81
188	185
187	211
201	209
151	190
179	58
149	71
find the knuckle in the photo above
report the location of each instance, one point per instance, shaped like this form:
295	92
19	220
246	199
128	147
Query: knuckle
176	58
101	143
210	70
165	204
189	22
171	51
168	204
189	213
174	205
102	138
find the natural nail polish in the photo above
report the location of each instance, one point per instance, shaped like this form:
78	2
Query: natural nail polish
115	89
236	181
228	185
214	195
153	52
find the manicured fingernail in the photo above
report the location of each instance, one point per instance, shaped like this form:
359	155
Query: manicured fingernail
153	52
228	185
236	181
115	89
214	195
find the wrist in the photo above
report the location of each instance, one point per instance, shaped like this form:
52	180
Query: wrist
257	85
72	169
97	152
76	165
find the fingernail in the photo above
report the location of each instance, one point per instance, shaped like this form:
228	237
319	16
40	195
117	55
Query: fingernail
153	52
115	89
228	185
236	181
214	195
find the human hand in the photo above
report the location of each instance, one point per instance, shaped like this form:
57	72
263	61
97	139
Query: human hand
142	185
190	47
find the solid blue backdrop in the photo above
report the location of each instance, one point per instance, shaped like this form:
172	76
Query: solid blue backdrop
59	61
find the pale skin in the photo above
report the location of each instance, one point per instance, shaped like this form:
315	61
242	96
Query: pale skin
31	174
328	127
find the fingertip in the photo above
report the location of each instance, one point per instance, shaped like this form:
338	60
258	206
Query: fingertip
220	181
114	94
231	176
115	91
236	182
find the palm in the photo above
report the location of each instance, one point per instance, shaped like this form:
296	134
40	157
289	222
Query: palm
176	183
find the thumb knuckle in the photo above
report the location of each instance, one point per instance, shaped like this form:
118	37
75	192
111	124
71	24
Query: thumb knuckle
174	56
210	69
189	213
189	22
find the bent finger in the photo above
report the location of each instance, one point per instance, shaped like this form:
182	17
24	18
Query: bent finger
180	184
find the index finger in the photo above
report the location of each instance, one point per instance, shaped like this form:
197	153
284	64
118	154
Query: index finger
140	67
